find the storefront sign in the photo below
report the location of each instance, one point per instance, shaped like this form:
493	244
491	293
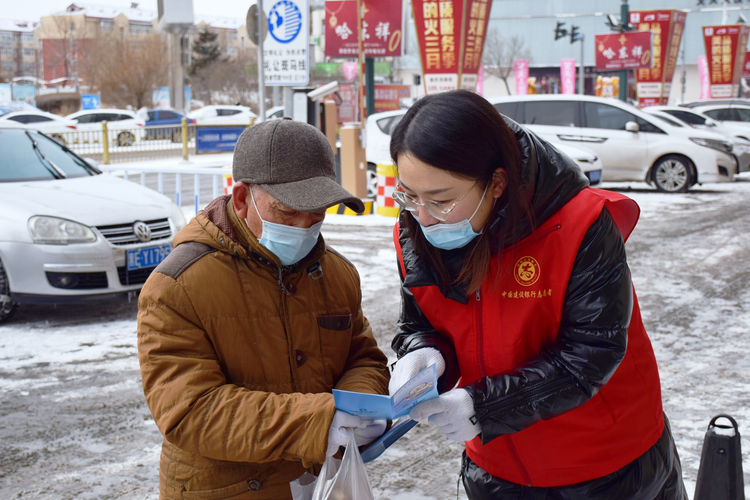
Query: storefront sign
521	73
704	78
451	37
726	47
347	110
666	26
381	28
388	97
285	48
617	51
568	76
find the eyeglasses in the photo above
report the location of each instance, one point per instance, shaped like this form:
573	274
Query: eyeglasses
435	209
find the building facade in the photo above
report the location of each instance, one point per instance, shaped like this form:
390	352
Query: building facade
18	49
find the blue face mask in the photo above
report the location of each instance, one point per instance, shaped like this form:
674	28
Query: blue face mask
452	236
290	244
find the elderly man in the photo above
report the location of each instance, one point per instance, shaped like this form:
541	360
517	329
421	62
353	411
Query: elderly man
247	326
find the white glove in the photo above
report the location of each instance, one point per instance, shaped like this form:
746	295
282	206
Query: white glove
451	412
365	431
413	363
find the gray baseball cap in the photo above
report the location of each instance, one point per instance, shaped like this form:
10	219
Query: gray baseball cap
293	162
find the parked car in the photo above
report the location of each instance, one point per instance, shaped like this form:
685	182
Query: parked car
275	113
69	232
124	126
164	124
380	127
52	125
223	115
735	134
631	144
726	113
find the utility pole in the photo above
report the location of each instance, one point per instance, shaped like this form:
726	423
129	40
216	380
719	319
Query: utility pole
625	23
583	68
261	75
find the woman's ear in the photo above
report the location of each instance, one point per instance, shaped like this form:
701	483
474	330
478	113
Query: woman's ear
499	182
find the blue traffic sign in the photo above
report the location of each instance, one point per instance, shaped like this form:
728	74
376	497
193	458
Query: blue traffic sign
90	101
284	21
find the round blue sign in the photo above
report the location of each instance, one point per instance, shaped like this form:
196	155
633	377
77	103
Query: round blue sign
284	21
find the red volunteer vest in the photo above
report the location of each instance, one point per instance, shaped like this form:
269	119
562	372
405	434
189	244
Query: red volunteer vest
516	314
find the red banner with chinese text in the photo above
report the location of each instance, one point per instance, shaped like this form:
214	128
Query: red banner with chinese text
746	70
388	97
667	26
451	37
630	50
381	28
726	47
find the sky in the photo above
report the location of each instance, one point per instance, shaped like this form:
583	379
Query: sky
33	10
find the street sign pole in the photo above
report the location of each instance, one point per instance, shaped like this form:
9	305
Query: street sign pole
361	61
261	75
624	15
583	68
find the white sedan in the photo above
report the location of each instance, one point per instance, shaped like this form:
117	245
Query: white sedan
632	145
50	124
223	115
69	232
124	126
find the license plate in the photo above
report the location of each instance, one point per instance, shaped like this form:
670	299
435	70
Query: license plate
147	257
595	175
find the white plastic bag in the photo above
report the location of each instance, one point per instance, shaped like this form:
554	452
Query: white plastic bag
344	479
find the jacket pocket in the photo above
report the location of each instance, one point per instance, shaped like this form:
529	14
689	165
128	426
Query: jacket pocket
238	479
335	339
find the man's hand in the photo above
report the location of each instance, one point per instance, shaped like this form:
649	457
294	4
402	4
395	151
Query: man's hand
365	431
451	412
413	363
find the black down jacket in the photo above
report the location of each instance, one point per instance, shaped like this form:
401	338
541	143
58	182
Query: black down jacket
555	180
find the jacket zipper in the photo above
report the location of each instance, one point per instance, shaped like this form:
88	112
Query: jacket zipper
517	459
523	243
287	329
480	336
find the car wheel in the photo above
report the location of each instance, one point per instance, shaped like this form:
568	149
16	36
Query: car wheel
7	306
372	184
672	174
125	139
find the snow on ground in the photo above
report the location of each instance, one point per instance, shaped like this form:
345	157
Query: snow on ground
74	424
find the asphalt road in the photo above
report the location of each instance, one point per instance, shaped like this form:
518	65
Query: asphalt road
74	424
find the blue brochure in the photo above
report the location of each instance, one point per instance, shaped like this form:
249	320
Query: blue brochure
420	388
395	433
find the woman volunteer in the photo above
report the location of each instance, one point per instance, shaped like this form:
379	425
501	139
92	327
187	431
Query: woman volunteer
515	284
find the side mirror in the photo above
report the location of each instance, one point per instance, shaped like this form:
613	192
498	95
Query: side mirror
710	122
632	127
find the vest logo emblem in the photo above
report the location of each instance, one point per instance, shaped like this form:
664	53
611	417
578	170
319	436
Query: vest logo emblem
527	271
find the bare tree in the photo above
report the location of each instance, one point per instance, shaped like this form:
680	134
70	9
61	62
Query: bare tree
499	54
66	43
127	71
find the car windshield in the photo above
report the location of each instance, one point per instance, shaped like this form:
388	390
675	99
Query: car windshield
21	161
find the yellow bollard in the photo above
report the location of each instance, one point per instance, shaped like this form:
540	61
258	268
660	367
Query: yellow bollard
387	175
105	143
184	139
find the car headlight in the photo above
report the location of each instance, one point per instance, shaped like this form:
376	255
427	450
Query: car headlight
177	218
54	231
723	146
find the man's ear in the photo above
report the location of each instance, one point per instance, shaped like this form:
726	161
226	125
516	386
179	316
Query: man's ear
499	182
241	198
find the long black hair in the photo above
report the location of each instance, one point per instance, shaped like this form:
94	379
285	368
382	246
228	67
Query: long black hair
461	133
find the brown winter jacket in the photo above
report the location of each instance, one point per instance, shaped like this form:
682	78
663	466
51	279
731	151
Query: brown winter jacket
237	369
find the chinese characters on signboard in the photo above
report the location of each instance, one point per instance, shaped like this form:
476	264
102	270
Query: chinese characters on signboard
448	60
285	48
521	74
381	28
630	50
568	76
666	26
725	55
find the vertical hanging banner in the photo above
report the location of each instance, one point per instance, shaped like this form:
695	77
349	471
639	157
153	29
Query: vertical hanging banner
382	28
285	49
521	74
475	29
654	84
568	76
726	47
746	68
704	78
451	36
